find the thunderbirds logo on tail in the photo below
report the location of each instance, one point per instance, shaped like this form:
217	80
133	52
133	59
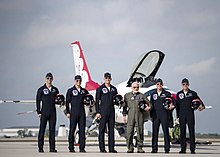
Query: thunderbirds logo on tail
81	67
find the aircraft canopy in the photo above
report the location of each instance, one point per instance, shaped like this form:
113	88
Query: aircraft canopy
146	67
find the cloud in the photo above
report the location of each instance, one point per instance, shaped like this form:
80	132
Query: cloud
199	68
114	21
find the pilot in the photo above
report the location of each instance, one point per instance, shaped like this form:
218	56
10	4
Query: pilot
46	110
135	117
75	96
106	113
160	115
185	113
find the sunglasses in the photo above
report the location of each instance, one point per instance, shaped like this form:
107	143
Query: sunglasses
158	84
136	87
107	78
49	78
185	84
78	80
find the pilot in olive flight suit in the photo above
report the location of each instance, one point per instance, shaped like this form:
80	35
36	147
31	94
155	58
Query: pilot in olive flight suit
135	117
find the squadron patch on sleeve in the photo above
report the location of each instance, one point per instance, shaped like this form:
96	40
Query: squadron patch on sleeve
155	96
181	95
75	92
104	90
46	91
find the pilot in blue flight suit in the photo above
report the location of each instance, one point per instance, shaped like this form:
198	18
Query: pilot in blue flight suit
46	110
160	115
106	112
185	113
75	96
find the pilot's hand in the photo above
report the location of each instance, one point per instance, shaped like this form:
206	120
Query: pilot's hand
39	115
125	119
171	107
98	115
68	115
147	108
201	108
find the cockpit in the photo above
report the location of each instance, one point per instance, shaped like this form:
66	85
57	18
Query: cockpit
146	68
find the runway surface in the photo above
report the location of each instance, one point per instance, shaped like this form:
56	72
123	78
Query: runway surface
27	147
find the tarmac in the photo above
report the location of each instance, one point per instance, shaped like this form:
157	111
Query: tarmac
27	147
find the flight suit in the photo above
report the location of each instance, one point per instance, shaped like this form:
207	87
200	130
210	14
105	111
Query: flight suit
77	115
185	113
135	118
105	106
48	113
160	116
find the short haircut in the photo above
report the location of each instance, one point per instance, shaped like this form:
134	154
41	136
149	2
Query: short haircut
134	84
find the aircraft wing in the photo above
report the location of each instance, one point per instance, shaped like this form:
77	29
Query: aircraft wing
18	101
146	68
89	110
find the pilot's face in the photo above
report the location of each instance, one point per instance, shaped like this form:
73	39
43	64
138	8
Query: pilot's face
135	88
107	80
185	86
49	80
78	82
159	86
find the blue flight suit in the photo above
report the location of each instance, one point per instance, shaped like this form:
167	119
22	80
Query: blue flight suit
160	115
48	113
105	106
185	113
77	115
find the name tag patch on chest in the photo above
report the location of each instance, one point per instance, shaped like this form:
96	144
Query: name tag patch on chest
155	96
75	92
104	90
181	95
163	96
189	95
46	91
83	92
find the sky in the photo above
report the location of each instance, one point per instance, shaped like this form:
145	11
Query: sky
35	38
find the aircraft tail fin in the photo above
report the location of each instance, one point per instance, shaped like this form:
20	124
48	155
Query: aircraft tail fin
81	67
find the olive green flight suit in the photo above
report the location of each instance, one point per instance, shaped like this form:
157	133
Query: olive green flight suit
135	118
